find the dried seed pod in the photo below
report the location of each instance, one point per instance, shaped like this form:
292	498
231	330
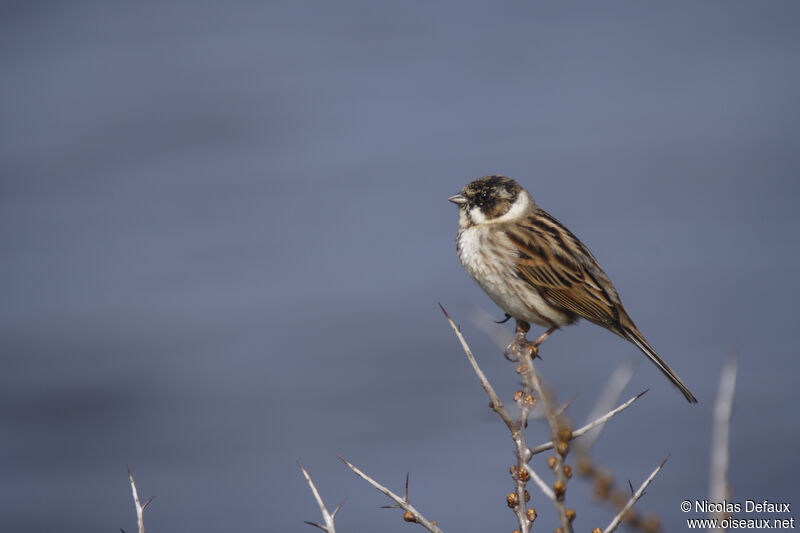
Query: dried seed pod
530	400
559	488
518	395
565	434
551	462
585	466
531	513
568	471
527	496
651	523
408	516
603	485
562	448
570	514
524	475
512	499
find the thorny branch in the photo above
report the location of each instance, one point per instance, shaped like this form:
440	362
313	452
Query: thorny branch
603	411
610	395
520	472
561	434
496	404
327	517
633	499
411	515
139	507
601	480
591	425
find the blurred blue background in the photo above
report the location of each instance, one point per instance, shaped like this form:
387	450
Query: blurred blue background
225	230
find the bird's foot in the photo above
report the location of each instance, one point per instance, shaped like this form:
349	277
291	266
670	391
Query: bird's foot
521	347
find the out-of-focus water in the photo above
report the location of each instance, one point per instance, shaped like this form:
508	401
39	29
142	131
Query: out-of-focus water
224	231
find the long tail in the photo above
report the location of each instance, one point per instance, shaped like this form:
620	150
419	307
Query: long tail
633	335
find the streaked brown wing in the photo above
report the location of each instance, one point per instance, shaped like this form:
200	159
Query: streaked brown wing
563	271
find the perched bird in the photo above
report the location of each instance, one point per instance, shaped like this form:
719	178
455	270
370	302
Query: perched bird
535	269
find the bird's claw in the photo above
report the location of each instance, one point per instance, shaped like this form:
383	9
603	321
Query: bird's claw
506	319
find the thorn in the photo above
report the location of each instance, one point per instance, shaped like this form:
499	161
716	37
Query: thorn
443	310
333	515
315	525
147	502
563	408
405	494
664	461
506	319
642	394
631	487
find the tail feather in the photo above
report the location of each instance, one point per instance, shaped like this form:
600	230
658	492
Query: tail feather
633	335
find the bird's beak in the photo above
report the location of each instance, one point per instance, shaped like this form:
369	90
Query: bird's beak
458	199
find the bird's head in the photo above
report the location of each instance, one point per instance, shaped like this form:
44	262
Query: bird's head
492	200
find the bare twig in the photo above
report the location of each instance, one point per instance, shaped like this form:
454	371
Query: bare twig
496	404
591	425
540	483
601	479
517	500
412	515
139	507
525	403
609	397
633	499
555	429
720	438
329	518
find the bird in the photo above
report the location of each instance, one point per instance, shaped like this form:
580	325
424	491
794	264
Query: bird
536	270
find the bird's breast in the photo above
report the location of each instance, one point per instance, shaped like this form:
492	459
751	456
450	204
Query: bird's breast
490	258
